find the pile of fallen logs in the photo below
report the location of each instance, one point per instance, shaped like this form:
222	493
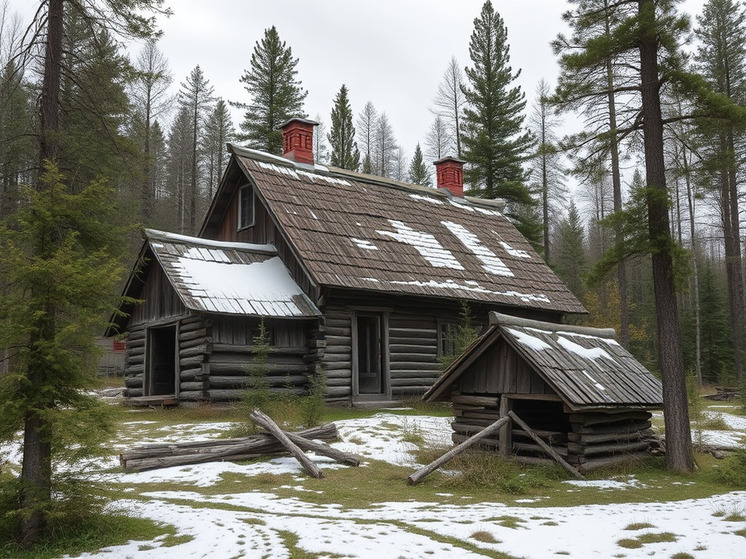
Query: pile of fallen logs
276	441
724	394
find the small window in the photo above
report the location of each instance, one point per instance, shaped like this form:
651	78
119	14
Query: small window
245	207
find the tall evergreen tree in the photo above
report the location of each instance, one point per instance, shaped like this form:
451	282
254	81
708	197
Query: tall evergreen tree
276	93
495	143
570	258
418	170
596	83
196	96
218	131
342	134
721	60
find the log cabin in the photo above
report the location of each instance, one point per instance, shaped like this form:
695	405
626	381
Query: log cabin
356	277
576	388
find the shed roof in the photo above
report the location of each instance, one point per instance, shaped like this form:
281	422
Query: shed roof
225	278
360	232
586	367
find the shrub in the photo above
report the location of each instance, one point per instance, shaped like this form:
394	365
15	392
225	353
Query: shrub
732	470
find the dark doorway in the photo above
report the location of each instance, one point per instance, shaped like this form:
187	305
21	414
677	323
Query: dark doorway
369	355
161	370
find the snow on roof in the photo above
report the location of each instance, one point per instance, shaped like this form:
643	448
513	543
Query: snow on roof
584	366
347	228
231	278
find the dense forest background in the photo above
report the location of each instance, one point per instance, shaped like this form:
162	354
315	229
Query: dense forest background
159	140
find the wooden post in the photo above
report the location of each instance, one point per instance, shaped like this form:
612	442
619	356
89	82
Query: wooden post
267	423
416	477
506	432
548	449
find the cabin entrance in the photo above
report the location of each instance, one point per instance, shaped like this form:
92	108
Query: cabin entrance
370	363
161	363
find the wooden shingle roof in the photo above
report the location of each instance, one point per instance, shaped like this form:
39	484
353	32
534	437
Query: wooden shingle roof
586	367
360	232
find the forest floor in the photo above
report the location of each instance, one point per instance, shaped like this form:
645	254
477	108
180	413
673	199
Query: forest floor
271	508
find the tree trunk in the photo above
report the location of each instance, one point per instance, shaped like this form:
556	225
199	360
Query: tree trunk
733	266
50	89
36	477
679	455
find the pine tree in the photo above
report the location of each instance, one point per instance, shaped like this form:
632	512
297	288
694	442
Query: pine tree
721	60
418	170
196	96
59	264
495	144
570	259
342	134
218	131
276	94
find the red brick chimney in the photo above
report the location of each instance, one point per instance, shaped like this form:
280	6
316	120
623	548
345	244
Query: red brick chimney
297	140
450	174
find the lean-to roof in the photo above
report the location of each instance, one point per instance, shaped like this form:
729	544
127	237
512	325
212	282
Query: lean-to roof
360	232
586	367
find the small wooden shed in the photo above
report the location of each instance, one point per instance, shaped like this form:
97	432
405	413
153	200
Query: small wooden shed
577	388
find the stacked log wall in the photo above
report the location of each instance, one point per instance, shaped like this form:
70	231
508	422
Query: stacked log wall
195	346
134	361
605	437
336	360
234	360
413	353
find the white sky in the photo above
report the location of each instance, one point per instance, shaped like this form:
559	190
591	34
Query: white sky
390	52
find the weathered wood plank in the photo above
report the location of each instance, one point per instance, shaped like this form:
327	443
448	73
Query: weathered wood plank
545	446
417	476
266	422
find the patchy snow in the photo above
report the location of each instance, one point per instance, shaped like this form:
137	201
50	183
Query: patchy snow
514	252
474	286
363	244
590	354
254	523
528	340
427	199
490	261
425	243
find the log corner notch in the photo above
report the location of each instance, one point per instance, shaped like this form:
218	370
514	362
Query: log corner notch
417	476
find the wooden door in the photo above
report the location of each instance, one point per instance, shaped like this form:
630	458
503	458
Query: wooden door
369	355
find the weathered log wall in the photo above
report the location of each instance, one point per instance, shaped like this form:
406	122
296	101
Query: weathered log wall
587	440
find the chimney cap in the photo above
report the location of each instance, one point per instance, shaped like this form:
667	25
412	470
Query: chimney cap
300	120
448	158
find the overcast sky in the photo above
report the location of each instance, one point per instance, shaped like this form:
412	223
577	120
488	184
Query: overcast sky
390	52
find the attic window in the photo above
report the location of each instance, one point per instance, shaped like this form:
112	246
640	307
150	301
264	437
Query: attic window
245	207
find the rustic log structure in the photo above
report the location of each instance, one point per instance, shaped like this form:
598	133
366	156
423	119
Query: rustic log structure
359	278
576	389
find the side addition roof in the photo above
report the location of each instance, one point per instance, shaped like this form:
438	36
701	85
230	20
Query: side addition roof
585	366
227	278
361	232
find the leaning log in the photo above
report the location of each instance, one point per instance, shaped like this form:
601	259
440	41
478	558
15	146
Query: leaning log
416	477
548	449
263	420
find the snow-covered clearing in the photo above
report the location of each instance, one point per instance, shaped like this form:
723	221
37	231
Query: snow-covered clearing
256	523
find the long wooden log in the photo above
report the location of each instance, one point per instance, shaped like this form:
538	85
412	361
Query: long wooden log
548	449
266	422
149	457
417	476
324	450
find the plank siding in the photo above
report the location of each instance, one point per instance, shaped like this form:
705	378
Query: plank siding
160	300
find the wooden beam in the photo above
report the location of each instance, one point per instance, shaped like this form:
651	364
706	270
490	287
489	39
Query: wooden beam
266	422
416	477
548	449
